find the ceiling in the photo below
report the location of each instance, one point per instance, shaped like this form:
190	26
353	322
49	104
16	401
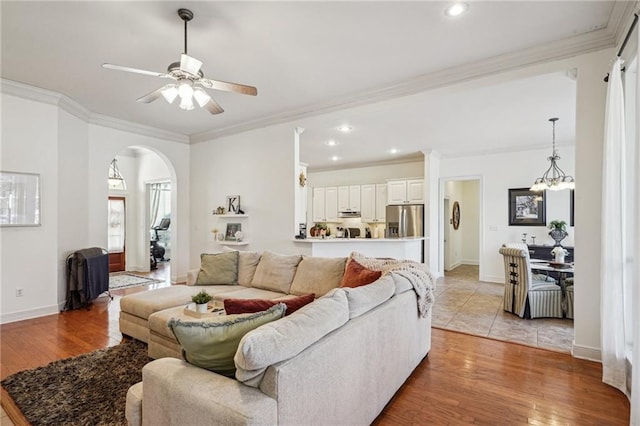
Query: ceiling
368	64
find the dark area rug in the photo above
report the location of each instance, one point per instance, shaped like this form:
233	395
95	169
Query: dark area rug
89	389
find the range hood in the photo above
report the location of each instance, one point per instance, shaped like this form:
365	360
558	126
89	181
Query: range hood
348	214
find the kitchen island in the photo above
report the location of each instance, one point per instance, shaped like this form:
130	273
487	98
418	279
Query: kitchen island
397	248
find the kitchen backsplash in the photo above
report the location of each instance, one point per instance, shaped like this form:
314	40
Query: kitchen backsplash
377	230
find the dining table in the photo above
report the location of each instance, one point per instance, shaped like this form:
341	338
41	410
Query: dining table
562	269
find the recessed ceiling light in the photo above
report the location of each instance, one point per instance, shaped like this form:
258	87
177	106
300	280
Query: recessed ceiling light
393	151
331	142
345	128
335	158
456	9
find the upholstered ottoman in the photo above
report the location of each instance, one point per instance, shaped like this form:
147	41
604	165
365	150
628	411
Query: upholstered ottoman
162	341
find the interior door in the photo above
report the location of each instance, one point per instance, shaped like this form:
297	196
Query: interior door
116	234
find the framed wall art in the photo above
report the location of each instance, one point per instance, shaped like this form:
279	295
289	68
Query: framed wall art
455	215
527	208
233	204
232	228
19	199
571	206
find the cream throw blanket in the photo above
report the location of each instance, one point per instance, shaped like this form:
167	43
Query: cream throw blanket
418	275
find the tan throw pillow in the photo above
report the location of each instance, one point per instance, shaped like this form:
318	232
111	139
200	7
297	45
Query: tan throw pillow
219	268
275	272
318	275
247	263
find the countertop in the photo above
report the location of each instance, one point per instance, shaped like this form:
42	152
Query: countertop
357	240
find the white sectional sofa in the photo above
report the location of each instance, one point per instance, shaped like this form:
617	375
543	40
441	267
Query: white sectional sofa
337	360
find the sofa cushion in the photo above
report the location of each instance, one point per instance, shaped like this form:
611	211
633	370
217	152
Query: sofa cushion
211	344
248	306
284	339
249	293
219	268
275	272
247	263
318	275
364	298
356	275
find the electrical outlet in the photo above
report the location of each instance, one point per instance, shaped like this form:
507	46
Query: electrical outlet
19	292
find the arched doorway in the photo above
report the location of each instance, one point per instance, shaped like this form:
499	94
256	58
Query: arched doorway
145	202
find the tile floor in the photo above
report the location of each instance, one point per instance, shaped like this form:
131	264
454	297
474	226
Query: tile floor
465	304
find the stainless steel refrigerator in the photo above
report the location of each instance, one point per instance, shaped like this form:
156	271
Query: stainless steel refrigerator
406	220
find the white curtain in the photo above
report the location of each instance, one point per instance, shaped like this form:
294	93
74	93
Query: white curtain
635	382
612	271
154	204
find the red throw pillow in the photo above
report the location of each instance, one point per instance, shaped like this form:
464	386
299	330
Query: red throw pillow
249	306
356	275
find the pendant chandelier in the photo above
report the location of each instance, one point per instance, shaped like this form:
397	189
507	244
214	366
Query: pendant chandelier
115	178
554	178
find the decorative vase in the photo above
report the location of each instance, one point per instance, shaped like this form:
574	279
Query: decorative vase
558	235
201	308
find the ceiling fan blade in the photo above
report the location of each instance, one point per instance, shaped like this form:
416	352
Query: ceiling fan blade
150	97
136	70
190	64
213	107
228	87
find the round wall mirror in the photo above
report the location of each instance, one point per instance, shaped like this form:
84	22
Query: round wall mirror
456	215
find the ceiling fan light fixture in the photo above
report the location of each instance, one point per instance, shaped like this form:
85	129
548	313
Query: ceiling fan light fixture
185	90
170	93
201	97
186	104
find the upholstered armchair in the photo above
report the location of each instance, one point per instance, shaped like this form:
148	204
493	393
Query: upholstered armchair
522	295
568	298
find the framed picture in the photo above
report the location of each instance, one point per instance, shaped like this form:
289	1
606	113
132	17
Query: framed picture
527	208
19	199
233	204
455	215
232	228
571	208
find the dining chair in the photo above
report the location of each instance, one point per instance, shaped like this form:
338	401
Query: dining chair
522	295
568	292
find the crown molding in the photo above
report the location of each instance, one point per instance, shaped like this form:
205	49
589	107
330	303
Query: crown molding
140	129
562	49
33	93
498	151
409	158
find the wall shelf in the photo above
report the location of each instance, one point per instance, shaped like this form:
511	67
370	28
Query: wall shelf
233	243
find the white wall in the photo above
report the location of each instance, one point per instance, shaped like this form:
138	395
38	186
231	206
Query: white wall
106	143
73	187
72	158
261	167
365	175
499	173
30	258
470	222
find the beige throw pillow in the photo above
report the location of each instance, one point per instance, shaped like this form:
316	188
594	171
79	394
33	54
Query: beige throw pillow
219	268
275	272
247	263
318	275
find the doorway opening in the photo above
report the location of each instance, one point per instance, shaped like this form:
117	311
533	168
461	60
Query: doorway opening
460	233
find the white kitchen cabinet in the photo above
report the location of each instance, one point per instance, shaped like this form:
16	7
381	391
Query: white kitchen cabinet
368	203
349	198
415	191
381	202
410	191
373	199
325	204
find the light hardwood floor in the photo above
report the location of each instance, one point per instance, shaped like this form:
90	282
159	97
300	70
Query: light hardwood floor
464	380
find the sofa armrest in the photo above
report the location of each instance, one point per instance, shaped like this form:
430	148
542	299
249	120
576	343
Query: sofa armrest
192	276
178	393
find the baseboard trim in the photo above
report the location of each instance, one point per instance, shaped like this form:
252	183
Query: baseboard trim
492	279
29	314
586	352
472	262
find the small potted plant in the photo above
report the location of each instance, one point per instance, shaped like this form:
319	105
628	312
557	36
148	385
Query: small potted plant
201	300
558	231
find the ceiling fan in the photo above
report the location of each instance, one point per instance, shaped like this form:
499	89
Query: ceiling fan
189	79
